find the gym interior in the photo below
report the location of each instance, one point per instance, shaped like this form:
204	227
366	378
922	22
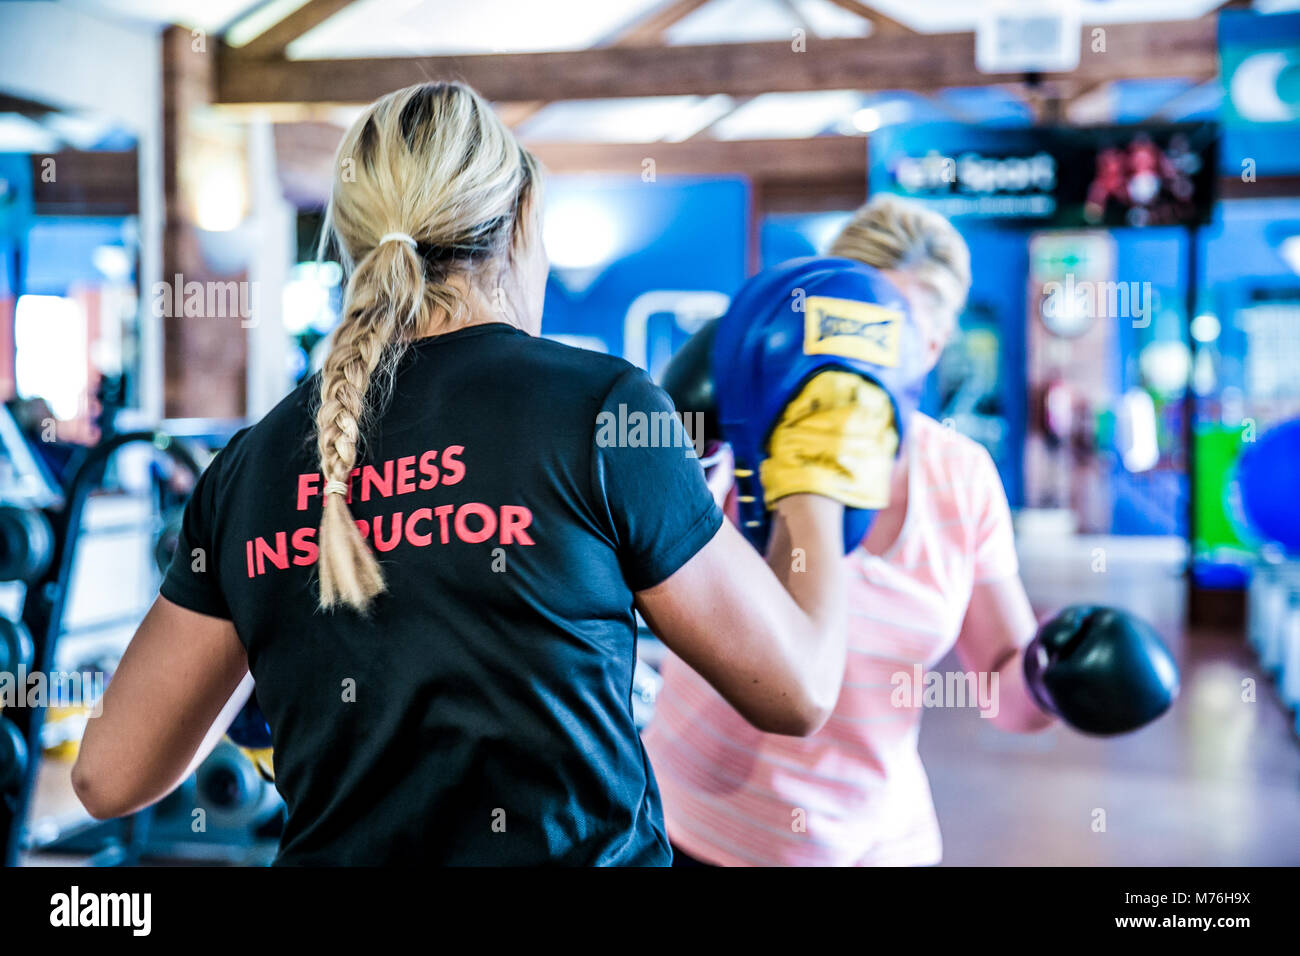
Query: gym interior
1126	175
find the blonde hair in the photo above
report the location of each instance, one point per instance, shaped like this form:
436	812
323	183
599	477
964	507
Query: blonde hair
429	184
890	232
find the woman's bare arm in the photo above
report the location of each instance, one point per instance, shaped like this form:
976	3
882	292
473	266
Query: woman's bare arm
999	623
769	636
161	710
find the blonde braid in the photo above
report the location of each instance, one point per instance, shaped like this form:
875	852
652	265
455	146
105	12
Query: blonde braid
367	345
430	186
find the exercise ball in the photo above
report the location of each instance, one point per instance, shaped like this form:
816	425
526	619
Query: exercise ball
1268	476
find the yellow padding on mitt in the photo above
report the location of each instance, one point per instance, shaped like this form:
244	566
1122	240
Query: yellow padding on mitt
263	759
837	438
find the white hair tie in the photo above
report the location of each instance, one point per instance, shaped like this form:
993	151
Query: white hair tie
335	488
397	237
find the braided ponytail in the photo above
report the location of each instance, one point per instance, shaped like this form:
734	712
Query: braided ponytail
383	297
434	160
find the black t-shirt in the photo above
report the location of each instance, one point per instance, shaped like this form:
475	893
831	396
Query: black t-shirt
517	492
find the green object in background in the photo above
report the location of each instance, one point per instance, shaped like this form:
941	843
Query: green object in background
1217	526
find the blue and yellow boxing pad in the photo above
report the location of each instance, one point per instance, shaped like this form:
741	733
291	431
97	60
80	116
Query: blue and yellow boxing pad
786	327
250	732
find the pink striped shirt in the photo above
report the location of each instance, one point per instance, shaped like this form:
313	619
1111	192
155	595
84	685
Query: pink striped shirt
854	794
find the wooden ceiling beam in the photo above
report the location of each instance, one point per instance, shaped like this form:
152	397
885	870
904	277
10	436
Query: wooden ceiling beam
831	165
32	109
881	23
649	31
918	62
823	157
273	41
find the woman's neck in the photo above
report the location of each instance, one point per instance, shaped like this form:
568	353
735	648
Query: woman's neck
888	523
479	309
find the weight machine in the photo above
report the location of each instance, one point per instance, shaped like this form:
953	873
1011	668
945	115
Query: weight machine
41	523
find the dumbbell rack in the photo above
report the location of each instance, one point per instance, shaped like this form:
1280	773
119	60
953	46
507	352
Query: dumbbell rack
44	610
1273	625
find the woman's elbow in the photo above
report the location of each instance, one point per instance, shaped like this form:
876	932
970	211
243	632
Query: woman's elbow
811	720
814	684
797	715
99	800
818	707
810	705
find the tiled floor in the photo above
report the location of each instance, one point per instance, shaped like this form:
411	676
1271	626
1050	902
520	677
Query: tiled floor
1214	782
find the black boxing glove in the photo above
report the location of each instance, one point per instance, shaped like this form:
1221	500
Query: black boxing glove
1101	670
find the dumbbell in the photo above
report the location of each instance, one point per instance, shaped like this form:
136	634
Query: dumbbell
180	802
26	543
16	649
227	782
232	790
13	756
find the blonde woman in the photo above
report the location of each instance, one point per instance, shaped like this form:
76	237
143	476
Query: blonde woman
429	555
937	568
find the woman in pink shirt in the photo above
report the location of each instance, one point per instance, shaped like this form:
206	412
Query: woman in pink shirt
938	569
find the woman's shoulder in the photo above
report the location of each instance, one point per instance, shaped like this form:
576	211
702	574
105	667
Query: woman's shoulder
950	461
943	437
580	362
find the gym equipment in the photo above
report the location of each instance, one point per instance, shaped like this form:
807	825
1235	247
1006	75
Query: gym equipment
646	684
688	380
40	547
42	551
62	731
263	759
231	789
1272	601
1101	670
178	804
26	478
1268	476
168	539
13	756
1273	621
16	648
223	813
786	325
1268	481
249	729
26	543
